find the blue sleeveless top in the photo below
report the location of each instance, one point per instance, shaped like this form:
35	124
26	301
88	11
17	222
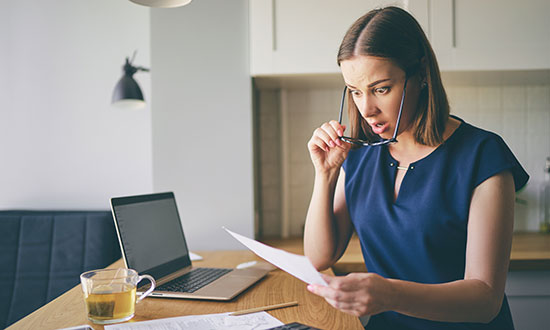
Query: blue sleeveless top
421	237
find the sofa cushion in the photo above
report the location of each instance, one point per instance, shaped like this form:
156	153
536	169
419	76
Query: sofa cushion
42	254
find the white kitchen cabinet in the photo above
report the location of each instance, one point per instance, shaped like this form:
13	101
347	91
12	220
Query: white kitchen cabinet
490	34
289	37
302	37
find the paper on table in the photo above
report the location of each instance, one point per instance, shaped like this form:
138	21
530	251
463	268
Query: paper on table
222	321
296	265
194	256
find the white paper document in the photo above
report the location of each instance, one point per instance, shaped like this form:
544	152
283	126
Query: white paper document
255	321
294	264
194	256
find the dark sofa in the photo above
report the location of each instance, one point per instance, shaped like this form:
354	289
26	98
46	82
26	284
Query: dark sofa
42	254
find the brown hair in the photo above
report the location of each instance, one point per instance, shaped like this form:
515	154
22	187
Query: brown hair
393	33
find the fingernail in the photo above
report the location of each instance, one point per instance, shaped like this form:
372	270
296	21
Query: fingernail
340	133
331	143
338	142
310	287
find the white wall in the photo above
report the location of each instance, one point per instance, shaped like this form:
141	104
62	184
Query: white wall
202	118
62	145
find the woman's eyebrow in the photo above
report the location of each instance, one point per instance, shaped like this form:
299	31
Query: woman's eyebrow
372	84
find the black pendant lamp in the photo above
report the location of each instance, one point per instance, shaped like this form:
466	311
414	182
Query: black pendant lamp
162	3
127	94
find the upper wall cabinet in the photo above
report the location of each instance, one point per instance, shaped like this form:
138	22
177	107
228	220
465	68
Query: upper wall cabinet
489	34
301	37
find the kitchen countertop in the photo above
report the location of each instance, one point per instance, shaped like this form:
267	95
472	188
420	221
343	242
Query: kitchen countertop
530	251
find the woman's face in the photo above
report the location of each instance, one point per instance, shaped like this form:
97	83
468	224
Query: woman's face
376	85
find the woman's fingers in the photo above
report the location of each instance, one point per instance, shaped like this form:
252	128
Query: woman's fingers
327	278
329	292
349	282
326	149
339	129
318	140
347	302
342	305
356	293
331	129
328	135
325	137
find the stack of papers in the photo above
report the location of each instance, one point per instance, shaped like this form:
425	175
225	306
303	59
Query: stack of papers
256	321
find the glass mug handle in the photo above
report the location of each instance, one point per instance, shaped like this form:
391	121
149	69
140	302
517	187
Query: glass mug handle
148	292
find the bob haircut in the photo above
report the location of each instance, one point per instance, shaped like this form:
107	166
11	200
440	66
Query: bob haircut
393	33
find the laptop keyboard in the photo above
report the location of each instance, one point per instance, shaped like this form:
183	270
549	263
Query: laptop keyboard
194	280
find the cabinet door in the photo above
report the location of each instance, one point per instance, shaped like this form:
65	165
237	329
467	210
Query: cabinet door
302	37
491	34
529	298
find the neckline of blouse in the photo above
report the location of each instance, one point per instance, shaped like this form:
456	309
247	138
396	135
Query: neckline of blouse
436	150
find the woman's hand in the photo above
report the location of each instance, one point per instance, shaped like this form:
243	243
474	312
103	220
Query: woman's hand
327	151
357	294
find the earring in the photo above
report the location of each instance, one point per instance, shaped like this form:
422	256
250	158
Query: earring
423	84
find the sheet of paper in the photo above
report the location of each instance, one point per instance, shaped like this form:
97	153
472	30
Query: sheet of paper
294	264
255	321
194	256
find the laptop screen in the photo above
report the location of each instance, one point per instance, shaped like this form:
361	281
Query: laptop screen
151	234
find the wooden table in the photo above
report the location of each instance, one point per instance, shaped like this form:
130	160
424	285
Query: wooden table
530	251
277	287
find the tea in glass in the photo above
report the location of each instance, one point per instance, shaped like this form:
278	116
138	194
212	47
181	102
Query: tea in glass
107	303
110	294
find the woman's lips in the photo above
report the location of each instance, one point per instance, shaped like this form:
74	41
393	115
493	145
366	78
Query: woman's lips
379	128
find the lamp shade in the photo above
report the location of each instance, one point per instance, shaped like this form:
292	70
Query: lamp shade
162	3
127	93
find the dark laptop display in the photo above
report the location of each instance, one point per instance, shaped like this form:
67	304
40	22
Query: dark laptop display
152	241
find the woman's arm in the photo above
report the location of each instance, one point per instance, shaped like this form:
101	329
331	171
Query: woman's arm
328	226
476	298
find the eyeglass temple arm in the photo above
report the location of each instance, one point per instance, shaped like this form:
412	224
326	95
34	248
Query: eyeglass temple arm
400	111
342	104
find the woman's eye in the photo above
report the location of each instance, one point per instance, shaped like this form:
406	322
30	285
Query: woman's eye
381	90
355	93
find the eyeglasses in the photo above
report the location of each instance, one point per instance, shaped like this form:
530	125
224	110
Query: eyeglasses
367	143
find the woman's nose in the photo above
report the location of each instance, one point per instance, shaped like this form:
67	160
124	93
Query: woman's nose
366	107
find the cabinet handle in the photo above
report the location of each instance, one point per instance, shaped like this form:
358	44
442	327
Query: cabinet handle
430	34
454	22
273	26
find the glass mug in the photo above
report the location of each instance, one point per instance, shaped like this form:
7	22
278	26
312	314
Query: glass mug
110	294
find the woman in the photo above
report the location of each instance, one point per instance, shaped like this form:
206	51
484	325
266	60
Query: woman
433	211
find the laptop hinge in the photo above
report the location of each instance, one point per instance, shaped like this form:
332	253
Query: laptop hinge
172	276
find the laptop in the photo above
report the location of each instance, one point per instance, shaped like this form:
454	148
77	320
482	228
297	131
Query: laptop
152	242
